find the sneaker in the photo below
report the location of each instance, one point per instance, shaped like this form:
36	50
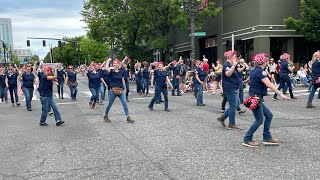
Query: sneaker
221	119
275	98
129	120
161	101
231	127
59	123
29	109
43	124
127	99
242	111
90	104
157	102
252	144
101	103
222	111
62	97
272	142
150	108
18	104
201	104
106	118
50	113
294	97
167	110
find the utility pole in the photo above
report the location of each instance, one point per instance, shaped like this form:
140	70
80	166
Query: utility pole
193	14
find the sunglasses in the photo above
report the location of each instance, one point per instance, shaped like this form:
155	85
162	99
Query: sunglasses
11	69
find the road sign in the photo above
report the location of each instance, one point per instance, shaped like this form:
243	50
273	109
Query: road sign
200	34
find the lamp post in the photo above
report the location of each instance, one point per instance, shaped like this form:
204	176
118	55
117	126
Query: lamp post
191	7
4	51
79	50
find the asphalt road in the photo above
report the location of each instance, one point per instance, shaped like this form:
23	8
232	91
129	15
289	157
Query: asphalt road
186	143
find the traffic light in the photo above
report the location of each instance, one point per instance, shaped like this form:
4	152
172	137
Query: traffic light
44	43
28	43
59	43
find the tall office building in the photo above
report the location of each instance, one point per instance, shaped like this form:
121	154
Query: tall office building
6	32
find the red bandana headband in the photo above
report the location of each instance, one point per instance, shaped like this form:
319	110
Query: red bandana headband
229	54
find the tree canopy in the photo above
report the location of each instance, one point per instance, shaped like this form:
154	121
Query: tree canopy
308	24
135	27
86	50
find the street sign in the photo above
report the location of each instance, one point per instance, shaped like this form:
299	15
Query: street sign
200	34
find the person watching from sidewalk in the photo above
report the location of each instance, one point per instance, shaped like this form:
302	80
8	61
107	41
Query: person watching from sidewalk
3	86
46	98
217	77
302	74
259	83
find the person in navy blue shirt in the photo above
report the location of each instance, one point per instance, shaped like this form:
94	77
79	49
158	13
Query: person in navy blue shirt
3	86
286	69
47	101
61	77
12	84
28	80
106	77
315	67
259	82
176	76
71	81
138	77
145	78
199	83
95	79
124	67
230	84
117	83
160	76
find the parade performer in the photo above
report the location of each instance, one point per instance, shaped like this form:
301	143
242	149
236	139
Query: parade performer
71	81
28	81
316	79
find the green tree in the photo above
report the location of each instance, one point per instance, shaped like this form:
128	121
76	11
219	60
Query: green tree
137	26
308	24
85	49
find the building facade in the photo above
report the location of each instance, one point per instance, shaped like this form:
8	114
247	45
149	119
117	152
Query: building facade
6	32
22	53
257	26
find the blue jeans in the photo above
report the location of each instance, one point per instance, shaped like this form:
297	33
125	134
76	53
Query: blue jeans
73	92
240	90
13	89
139	84
145	85
95	95
46	103
127	87
60	88
199	94
28	94
224	102
285	79
176	85
261	114
102	92
3	93
312	92
112	97
304	81
233	100
157	96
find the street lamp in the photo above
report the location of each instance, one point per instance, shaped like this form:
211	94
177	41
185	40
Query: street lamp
191	7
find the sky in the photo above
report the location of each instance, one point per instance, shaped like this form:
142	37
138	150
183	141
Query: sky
43	18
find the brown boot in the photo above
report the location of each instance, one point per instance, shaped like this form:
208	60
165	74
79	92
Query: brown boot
129	120
106	118
221	119
309	105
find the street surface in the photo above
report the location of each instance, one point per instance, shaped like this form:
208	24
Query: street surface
186	143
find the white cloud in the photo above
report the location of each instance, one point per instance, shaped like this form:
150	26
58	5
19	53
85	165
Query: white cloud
44	22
